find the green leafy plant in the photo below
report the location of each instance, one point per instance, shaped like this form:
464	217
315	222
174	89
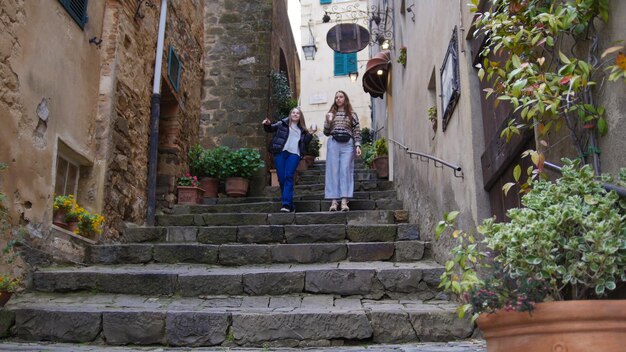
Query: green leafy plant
243	163
567	242
90	223
541	57
402	57
208	162
368	153
281	94
381	147
314	146
432	116
366	135
188	181
64	202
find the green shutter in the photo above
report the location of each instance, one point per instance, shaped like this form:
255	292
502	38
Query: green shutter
345	63
351	63
340	64
325	2
77	9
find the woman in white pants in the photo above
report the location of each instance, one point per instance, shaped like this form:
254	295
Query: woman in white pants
342	125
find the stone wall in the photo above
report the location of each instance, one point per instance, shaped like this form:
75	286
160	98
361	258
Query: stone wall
239	52
127	151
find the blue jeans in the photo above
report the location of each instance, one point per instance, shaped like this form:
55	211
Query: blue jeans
286	164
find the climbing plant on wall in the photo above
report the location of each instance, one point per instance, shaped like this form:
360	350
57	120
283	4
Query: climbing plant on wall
542	56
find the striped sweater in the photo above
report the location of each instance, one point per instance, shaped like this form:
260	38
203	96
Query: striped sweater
341	123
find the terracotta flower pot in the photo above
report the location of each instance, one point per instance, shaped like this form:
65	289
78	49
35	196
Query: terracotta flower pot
72	226
302	166
5	297
189	195
310	160
274	178
236	186
210	186
59	218
571	326
381	164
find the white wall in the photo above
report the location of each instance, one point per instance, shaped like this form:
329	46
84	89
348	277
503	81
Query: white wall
318	82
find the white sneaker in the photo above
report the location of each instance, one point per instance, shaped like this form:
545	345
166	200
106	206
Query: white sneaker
284	210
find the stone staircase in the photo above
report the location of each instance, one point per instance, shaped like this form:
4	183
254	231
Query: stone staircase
237	272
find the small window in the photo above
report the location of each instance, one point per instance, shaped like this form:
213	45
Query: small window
77	9
67	177
345	63
173	69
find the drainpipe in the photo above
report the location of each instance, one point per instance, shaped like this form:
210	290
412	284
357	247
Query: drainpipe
155	111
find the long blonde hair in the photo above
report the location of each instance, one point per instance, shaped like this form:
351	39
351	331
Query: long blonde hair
301	122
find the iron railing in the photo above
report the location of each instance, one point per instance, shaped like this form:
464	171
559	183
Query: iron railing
609	187
425	157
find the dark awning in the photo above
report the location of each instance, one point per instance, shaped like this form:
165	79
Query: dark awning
376	71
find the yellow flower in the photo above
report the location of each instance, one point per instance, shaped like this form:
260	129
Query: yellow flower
620	61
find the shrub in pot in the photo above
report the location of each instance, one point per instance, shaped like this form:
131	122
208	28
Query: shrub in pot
559	257
312	150
207	165
238	168
381	158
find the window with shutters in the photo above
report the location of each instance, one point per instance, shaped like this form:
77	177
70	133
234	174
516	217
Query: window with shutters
325	2
345	63
173	69
77	9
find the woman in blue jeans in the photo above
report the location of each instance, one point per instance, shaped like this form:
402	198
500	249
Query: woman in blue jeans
288	146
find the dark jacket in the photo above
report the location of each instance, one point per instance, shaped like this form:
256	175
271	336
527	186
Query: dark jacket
282	133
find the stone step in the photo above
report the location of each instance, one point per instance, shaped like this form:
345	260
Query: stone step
274	194
245	254
359	186
366	195
357	217
289	321
301	232
374	280
305	179
274	206
322	172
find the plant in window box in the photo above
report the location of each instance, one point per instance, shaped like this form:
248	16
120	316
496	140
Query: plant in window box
381	158
73	216
559	257
61	205
90	224
188	190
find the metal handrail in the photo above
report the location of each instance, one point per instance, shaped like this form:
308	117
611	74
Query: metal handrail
607	186
438	162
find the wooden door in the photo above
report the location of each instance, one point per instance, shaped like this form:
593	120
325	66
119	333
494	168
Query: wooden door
500	157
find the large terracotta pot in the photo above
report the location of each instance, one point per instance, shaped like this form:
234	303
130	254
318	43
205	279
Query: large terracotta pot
381	164
302	166
59	218
568	326
236	186
274	178
5	296
310	160
210	186
189	195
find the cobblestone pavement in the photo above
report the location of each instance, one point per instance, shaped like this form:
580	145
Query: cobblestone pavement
459	346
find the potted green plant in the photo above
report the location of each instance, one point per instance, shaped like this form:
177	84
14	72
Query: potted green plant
381	158
432	117
73	216
238	168
559	257
61	205
188	190
207	165
90	225
312	150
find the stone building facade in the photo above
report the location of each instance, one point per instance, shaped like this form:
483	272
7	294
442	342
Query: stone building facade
240	52
75	108
430	190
